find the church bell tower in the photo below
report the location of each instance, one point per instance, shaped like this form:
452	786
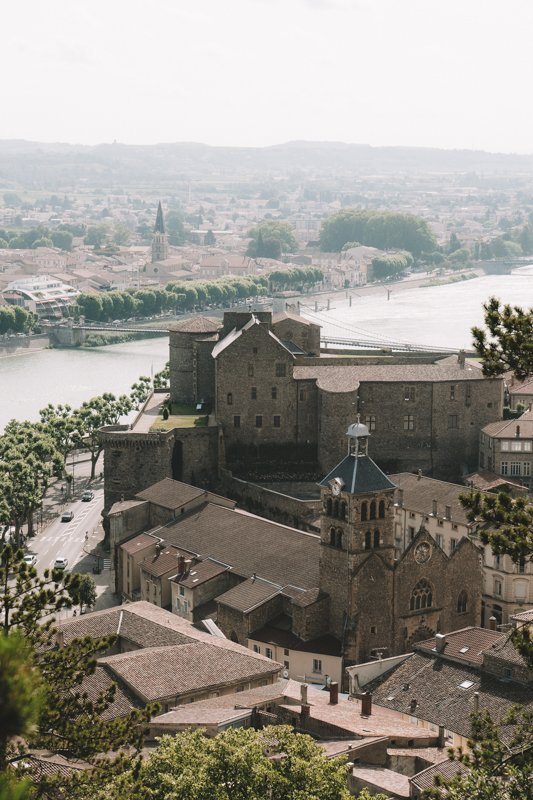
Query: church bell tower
160	238
357	550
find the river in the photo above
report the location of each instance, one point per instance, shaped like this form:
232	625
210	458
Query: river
435	315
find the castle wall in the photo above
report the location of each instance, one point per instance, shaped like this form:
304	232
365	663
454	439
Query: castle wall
204	371
134	461
336	410
304	334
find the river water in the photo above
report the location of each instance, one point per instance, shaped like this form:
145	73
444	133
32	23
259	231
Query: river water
437	315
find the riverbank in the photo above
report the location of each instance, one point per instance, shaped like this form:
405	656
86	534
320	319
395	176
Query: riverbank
20	345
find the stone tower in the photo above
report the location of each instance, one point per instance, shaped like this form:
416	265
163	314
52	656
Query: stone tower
160	238
357	551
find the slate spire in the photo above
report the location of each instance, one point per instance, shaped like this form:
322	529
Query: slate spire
159	220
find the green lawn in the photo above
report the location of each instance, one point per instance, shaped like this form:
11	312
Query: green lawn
180	421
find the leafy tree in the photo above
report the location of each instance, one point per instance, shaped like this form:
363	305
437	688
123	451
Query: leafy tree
383	229
61	424
210	238
42	242
7	319
90	305
454	243
96	236
62	239
162	378
121	235
175	228
235	765
140	391
20	692
12	199
498	764
95	414
264	236
84	595
507	343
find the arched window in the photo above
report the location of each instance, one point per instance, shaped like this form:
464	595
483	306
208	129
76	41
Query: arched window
376	538
462	602
338	543
332	537
368	540
230	399
421	596
381	509
329	506
343	509
336	508
373	509
364	511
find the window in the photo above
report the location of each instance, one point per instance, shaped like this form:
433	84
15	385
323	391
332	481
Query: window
343	510
250	370
376	538
462	601
521	566
317	665
373	629
373	509
285	652
274	393
504	468
364	511
526	469
259	421
453	545
182	591
281	370
370	422
408	422
329	506
453	421
421	596
286	664
498	561
497	587
230	399
368	540
505	446
268	652
411	532
236	422
515	467
448	512
520	590
254	351
381	509
468	395
301	394
452	392
253	393
257	649
277	421
440	540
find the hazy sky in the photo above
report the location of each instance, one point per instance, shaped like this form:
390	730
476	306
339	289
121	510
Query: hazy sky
446	73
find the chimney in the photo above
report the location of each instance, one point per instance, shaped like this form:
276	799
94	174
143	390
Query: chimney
303	694
413	704
476	702
419	474
492	623
517	434
366	705
441	741
434	507
333	693
440	642
461	359
60	638
400	498
181	565
304	713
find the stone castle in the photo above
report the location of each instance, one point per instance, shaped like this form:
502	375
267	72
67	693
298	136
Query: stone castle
278	405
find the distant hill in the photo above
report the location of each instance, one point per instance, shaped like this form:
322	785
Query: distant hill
35	165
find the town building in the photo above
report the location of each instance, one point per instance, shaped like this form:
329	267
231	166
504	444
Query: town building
506	448
46	296
159	238
436	505
446	679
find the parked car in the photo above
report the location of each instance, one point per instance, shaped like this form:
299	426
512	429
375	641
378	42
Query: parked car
66	516
87	495
61	563
30	559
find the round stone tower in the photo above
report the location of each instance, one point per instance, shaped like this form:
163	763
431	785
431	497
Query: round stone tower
185	336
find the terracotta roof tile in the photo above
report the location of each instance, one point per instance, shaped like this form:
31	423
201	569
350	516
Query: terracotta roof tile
197	324
170	494
465	645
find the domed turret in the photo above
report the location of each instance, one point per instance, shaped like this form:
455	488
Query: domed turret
357	434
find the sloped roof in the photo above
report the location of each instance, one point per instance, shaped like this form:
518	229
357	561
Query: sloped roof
249	594
419	493
360	475
249	544
186	668
465	645
170	494
197	324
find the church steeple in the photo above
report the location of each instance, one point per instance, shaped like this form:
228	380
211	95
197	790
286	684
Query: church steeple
160	239
159	220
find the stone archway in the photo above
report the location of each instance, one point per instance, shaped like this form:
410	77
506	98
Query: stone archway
419	635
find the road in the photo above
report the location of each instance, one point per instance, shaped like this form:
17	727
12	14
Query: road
67	539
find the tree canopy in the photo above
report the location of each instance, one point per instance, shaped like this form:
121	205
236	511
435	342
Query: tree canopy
271	238
383	229
506	342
